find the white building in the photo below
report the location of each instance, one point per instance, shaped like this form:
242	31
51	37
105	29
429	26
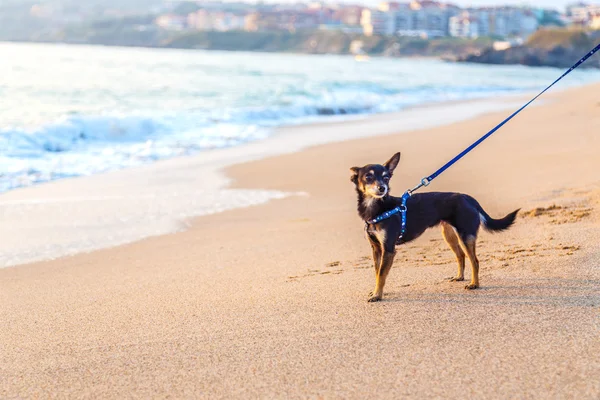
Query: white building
595	21
225	21
431	17
521	22
200	20
584	14
427	18
503	22
203	20
171	22
465	26
375	22
424	18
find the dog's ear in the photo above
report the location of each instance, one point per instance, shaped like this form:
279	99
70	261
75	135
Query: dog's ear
392	163
354	174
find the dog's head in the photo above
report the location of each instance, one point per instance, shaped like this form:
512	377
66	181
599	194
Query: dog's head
373	180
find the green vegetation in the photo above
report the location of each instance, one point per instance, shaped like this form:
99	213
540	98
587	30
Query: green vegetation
549	39
547	47
325	42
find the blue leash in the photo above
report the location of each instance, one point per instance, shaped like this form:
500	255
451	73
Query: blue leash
426	181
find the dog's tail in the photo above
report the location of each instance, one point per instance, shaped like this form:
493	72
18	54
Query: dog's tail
495	225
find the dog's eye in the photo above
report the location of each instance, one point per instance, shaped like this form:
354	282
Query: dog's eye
369	178
386	179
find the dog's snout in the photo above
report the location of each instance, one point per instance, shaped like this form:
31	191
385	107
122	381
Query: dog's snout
381	188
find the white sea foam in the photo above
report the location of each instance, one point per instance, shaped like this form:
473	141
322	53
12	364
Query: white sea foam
36	229
87	110
85	145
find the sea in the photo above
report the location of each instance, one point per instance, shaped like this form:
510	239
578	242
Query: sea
72	110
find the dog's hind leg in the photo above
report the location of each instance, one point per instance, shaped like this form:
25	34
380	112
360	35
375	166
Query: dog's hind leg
454	242
469	244
467	225
387	260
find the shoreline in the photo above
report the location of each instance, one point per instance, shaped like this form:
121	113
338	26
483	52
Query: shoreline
162	45
125	46
44	203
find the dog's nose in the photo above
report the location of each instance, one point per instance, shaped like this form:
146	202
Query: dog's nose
382	189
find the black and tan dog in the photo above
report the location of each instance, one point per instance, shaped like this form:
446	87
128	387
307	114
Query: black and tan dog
459	215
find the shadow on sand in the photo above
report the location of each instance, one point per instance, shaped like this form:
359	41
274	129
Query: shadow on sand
555	292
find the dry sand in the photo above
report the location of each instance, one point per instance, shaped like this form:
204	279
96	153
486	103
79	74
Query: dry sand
270	301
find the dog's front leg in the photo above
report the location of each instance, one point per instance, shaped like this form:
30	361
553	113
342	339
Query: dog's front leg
376	255
387	260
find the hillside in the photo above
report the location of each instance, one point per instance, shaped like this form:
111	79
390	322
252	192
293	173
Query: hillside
326	42
547	47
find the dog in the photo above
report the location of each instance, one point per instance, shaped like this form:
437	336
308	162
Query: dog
459	215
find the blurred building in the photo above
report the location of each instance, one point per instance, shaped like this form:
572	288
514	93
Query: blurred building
282	20
497	21
349	16
585	15
424	18
251	22
200	20
376	22
171	22
418	18
464	25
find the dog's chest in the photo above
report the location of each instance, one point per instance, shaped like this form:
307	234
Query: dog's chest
378	235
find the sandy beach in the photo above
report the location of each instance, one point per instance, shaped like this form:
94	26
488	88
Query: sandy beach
269	301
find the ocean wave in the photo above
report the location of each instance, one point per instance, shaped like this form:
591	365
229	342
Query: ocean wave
71	132
79	145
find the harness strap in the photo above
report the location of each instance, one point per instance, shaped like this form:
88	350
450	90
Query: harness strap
405	197
426	181
388	214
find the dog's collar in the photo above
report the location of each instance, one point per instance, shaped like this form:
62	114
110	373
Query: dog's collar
388	214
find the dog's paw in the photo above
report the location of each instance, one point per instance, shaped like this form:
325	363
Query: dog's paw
457	279
471	286
373	298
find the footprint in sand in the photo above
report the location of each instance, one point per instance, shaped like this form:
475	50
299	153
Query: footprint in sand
315	272
559	214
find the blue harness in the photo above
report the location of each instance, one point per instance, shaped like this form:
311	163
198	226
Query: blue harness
388	214
427	180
